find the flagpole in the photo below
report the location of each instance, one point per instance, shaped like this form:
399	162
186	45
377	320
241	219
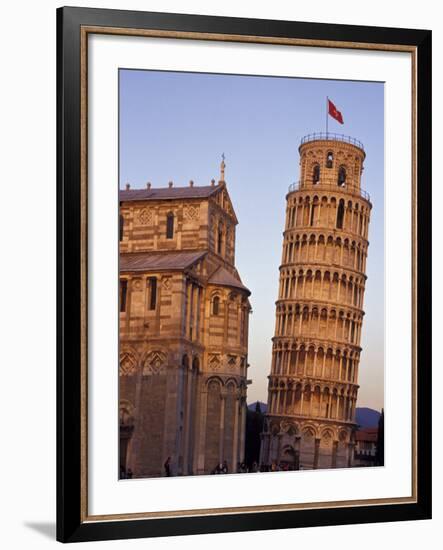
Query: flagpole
327	98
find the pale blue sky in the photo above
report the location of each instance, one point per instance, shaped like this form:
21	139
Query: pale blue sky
175	126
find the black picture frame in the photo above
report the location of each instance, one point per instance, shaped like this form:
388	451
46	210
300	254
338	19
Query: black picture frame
71	526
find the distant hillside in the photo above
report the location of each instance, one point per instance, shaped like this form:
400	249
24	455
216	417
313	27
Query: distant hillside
263	406
366	418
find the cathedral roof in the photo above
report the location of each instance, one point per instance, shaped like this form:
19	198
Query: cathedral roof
223	277
162	193
146	261
369	434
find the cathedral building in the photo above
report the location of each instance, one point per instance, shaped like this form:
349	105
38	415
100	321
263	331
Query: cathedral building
313	383
183	331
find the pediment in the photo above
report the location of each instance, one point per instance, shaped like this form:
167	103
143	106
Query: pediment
223	200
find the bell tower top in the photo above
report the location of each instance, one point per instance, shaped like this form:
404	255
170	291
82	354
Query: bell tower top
330	161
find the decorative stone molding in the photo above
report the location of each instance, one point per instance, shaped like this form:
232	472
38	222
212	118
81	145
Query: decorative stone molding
154	363
166	283
191	212
145	216
214	363
128	365
137	284
232	363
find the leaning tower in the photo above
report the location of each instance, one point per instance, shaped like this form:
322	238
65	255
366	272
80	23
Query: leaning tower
313	384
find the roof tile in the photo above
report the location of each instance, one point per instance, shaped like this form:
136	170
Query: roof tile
222	277
163	193
145	261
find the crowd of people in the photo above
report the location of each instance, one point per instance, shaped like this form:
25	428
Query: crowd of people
223	468
243	468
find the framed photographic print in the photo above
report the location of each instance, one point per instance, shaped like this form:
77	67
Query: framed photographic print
244	274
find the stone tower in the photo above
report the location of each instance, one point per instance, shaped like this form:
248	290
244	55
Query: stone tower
312	396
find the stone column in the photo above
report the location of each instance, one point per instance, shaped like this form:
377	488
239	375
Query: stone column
135	444
340	366
188	308
355	372
284	399
316	452
225	325
268	448
301	400
187	426
279	438
350	454
221	439
170	445
334	454
297	442
271	400
197	314
235	443
242	429
201	444
320	403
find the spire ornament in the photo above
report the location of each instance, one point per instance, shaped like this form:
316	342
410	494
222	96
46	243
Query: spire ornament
222	168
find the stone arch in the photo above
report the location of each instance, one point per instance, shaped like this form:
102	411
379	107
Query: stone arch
327	432
309	430
213	381
216	302
310	361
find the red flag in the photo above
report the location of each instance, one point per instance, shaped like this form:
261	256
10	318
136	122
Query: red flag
334	112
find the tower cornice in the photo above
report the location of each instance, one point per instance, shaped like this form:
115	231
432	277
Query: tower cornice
307	266
328	189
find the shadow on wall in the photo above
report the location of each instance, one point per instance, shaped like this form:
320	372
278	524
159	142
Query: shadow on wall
44	528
